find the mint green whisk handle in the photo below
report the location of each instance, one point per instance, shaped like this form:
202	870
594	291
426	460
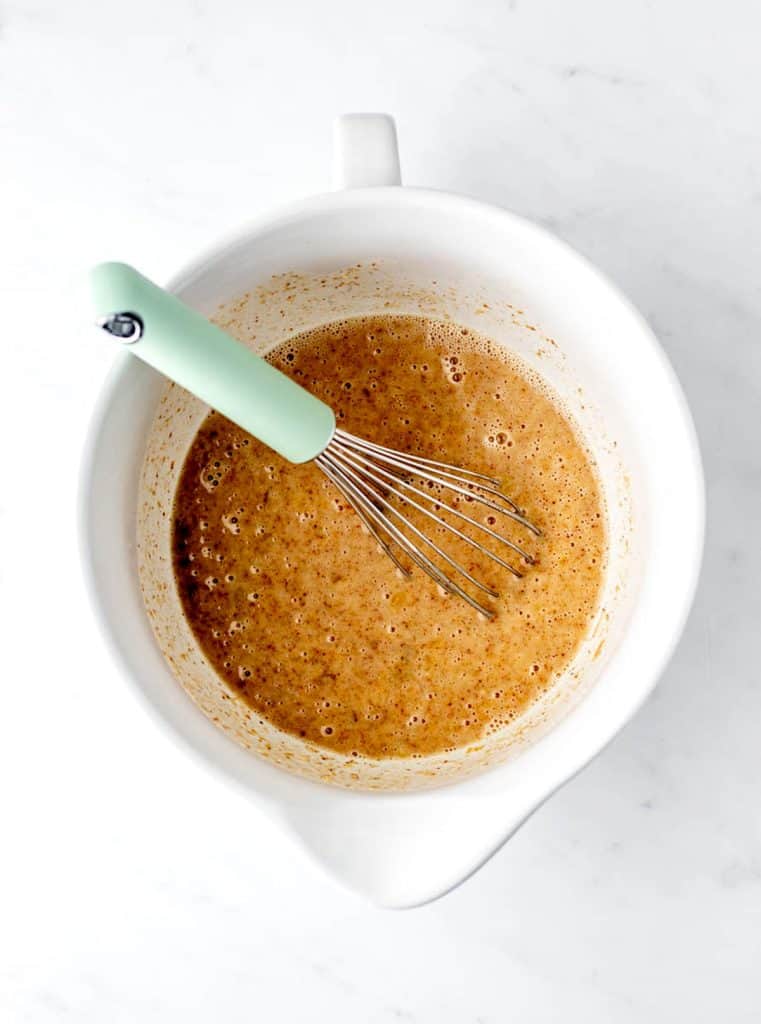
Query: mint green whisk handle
187	348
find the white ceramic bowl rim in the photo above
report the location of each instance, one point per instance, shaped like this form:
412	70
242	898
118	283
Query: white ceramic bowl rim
572	743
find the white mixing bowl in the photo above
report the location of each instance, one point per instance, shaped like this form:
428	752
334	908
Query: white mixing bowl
405	832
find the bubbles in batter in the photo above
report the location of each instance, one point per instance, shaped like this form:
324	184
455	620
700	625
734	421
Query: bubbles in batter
311	625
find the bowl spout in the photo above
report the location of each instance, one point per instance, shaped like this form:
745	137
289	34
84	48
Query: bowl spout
405	850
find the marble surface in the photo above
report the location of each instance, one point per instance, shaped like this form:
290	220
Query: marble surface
133	885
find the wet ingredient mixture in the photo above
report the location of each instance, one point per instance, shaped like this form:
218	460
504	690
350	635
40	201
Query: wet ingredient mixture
311	625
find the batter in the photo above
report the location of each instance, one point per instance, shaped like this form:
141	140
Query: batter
310	624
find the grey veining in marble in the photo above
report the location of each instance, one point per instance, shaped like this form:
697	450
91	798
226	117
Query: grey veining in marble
135	887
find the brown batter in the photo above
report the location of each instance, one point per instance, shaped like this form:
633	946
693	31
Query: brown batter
311	625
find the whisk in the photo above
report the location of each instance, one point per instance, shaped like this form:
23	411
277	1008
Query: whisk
381	484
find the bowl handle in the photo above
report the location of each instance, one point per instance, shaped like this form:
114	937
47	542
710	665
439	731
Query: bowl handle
365	151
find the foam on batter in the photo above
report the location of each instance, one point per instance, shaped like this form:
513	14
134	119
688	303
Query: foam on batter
310	624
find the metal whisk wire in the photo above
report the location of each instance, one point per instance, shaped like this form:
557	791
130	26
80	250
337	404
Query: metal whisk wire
382	485
377	480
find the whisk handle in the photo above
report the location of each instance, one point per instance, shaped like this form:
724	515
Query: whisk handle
187	348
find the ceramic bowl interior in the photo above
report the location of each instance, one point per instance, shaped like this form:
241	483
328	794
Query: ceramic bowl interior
489	274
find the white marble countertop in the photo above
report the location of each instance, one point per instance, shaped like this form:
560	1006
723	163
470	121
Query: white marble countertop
133	886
